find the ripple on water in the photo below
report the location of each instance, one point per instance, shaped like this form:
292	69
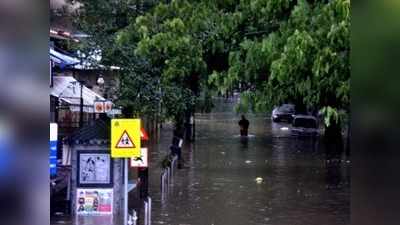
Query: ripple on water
225	178
248	136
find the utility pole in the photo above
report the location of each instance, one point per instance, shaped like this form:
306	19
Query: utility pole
81	107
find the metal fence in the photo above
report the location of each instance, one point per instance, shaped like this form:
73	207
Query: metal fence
167	175
147	211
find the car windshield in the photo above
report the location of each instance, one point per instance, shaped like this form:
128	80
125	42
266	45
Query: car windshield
286	108
304	122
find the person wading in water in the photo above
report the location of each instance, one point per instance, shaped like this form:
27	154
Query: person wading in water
244	126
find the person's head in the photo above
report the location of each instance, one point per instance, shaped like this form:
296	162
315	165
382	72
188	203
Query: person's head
243	118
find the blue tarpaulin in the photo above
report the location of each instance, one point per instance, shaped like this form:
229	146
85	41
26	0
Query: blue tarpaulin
62	60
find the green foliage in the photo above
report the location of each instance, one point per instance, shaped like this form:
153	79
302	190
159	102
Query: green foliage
275	51
204	103
139	91
305	60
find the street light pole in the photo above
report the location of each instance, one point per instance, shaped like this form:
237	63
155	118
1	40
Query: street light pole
81	108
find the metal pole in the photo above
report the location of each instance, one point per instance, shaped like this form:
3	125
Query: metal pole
162	186
149	212
194	128
162	182
130	220
134	217
172	168
146	213
69	188
81	108
167	177
125	191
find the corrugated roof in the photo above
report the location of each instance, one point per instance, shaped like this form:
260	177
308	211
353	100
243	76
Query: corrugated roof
68	89
96	133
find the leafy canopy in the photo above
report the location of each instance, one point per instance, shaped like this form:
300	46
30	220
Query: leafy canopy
274	51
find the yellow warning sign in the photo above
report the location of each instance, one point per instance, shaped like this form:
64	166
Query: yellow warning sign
125	141
125	138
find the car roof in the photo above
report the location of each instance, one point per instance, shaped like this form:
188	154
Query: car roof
287	104
305	117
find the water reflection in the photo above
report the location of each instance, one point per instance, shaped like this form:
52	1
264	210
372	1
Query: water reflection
267	178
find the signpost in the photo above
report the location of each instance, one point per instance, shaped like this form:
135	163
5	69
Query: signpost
125	138
125	143
102	106
98	106
141	161
108	106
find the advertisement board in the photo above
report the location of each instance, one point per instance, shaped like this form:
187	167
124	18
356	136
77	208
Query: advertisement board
53	149
94	201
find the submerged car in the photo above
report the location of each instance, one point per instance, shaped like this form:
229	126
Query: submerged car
284	112
305	125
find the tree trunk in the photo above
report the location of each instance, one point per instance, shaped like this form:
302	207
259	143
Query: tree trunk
189	126
348	139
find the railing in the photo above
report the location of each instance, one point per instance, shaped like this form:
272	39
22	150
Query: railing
167	175
173	165
147	211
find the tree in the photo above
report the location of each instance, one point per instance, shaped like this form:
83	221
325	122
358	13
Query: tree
304	59
275	51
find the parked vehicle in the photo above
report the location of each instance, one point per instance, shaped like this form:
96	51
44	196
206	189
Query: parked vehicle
305	125
284	112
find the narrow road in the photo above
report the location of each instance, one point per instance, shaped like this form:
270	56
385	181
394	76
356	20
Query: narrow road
218	184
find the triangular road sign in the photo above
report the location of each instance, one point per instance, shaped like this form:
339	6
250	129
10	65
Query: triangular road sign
125	141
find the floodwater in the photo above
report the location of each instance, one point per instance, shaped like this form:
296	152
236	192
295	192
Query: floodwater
268	178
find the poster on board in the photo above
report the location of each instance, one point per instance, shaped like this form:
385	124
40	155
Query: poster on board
94	169
94	201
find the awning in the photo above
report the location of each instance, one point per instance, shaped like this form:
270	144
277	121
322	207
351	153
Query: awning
65	61
68	89
62	60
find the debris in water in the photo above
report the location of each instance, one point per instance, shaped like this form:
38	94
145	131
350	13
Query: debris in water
247	161
284	128
259	180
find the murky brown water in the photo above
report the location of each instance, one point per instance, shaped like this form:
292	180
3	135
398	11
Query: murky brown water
218	185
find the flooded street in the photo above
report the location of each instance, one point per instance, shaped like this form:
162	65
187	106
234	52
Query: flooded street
268	178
